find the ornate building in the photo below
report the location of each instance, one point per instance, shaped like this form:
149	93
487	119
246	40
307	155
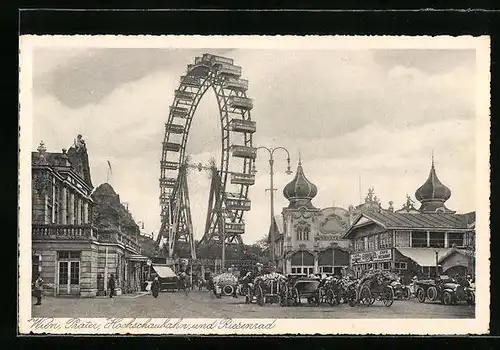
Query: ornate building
63	238
308	239
411	241
71	247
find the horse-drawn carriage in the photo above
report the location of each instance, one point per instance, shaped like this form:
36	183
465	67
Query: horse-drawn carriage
333	290
375	286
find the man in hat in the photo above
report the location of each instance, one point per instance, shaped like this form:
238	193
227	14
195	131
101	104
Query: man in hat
38	290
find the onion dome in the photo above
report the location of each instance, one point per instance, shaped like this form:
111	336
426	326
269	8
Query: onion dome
433	194
300	190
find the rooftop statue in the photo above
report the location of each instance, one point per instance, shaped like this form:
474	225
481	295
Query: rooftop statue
80	143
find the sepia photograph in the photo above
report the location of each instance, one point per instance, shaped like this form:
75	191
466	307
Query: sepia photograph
254	185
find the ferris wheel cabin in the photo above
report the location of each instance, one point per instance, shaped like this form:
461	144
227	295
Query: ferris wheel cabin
238	203
244	103
236	84
242	125
244	152
234	228
242	179
179	112
169	165
184	95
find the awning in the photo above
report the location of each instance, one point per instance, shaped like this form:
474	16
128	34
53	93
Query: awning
164	271
138	258
424	256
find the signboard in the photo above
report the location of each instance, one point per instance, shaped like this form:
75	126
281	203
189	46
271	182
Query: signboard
375	256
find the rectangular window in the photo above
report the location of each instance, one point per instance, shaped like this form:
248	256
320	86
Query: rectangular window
455	239
372	242
326	269
359	244
418	239
385	240
68	255
402	238
386	266
436	239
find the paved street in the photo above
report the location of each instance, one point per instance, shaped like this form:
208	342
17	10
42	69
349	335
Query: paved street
205	305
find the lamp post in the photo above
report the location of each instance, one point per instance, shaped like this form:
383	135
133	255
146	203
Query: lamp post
272	189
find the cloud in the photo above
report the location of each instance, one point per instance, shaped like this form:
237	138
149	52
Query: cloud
348	114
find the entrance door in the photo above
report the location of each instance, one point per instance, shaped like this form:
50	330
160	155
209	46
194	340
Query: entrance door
68	273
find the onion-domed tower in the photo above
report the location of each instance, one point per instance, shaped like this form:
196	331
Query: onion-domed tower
433	194
300	191
301	226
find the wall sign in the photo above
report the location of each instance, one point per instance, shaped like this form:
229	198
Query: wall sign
377	255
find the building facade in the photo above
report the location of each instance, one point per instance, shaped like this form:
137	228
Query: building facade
413	242
308	239
67	247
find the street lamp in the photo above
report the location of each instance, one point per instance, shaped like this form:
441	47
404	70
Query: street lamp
272	189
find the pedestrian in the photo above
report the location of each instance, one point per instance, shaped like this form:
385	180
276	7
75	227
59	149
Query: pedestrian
155	287
38	290
112	285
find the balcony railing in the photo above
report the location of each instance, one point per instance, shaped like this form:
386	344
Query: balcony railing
64	231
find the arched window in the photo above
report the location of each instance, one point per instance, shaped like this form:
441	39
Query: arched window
302	230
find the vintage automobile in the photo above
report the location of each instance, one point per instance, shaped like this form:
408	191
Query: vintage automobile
444	289
400	290
298	288
225	284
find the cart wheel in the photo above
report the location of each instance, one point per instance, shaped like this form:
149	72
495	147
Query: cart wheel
296	296
317	298
365	296
330	297
432	293
352	298
447	298
470	298
421	295
406	294
260	296
388	296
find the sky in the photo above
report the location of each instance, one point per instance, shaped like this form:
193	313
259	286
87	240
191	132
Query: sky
374	115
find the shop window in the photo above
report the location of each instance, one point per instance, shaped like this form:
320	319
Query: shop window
436	239
418	239
456	239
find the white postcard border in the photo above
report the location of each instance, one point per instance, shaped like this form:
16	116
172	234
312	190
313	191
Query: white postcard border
479	325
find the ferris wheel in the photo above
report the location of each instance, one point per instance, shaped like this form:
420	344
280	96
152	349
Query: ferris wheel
230	178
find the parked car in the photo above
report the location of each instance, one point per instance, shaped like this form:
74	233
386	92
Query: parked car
444	289
400	290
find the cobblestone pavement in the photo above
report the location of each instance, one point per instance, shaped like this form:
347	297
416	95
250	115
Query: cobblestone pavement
205	305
